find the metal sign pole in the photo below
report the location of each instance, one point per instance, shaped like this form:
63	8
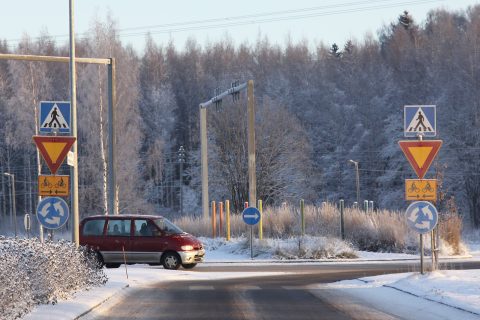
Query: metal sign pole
73	101
422	270
251	242
432	248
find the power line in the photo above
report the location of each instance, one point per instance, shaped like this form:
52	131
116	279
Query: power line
258	18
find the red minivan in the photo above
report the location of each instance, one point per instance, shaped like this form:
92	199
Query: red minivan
140	239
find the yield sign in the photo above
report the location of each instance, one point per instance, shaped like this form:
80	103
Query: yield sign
54	149
420	154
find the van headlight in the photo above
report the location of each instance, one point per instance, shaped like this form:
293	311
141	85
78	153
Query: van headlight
187	248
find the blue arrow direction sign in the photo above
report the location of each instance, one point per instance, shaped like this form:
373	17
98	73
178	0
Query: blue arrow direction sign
54	116
52	212
251	216
420	120
422	216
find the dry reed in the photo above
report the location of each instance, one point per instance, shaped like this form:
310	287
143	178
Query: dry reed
379	230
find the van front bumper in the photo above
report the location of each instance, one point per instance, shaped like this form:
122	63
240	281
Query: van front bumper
189	257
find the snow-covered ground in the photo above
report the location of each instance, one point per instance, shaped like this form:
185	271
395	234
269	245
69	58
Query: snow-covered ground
453	294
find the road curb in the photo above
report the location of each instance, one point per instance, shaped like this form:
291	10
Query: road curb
431	300
113	295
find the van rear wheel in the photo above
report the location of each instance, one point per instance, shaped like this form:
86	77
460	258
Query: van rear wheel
189	266
171	261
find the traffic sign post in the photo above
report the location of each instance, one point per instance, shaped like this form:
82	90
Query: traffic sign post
422	217
27	223
420	121
54	116
251	216
52	212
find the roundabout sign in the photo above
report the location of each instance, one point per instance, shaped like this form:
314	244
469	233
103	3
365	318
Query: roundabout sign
52	212
422	216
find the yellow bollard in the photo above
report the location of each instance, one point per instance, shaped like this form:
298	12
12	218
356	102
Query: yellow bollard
227	212
260	223
220	213
214	220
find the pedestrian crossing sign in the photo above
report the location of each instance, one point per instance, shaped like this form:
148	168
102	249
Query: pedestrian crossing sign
420	120
54	116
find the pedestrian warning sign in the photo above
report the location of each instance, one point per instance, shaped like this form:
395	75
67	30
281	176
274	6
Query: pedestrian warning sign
420	154
54	116
420	120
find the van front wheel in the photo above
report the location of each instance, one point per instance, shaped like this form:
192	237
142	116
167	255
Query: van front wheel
171	261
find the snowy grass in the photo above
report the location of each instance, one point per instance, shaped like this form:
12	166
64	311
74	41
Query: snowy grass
306	247
33	273
379	230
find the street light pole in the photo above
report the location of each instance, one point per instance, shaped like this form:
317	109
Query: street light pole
181	161
357	178
234	91
14	205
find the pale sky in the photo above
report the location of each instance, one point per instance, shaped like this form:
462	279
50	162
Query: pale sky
325	21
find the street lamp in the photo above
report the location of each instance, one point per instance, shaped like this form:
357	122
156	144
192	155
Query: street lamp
13	204
357	176
181	161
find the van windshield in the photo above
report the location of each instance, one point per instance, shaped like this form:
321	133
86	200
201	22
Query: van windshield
168	227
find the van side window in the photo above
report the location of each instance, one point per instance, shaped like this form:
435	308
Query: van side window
144	228
119	227
93	228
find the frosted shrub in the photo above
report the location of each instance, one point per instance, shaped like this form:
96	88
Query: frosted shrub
314	248
33	273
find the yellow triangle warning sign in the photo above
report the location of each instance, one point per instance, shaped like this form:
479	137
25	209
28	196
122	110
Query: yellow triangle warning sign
420	154
54	149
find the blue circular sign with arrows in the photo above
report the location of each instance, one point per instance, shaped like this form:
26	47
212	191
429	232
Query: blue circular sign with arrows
52	212
251	216
422	216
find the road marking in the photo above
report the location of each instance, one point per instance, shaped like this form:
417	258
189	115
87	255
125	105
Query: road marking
200	288
295	287
246	287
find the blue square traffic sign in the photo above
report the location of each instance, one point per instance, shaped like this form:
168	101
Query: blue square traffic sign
420	120
54	116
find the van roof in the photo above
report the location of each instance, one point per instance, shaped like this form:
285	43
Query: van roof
123	216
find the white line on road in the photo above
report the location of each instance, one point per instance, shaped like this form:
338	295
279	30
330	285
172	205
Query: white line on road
200	288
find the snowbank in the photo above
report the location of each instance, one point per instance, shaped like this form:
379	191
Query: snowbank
409	295
33	273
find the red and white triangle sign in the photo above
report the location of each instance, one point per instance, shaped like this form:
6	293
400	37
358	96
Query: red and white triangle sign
420	154
54	149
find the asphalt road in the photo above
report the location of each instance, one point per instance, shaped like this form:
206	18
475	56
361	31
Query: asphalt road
270	297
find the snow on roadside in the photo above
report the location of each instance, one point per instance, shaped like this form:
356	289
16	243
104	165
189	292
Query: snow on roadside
306	247
138	275
454	288
218	251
